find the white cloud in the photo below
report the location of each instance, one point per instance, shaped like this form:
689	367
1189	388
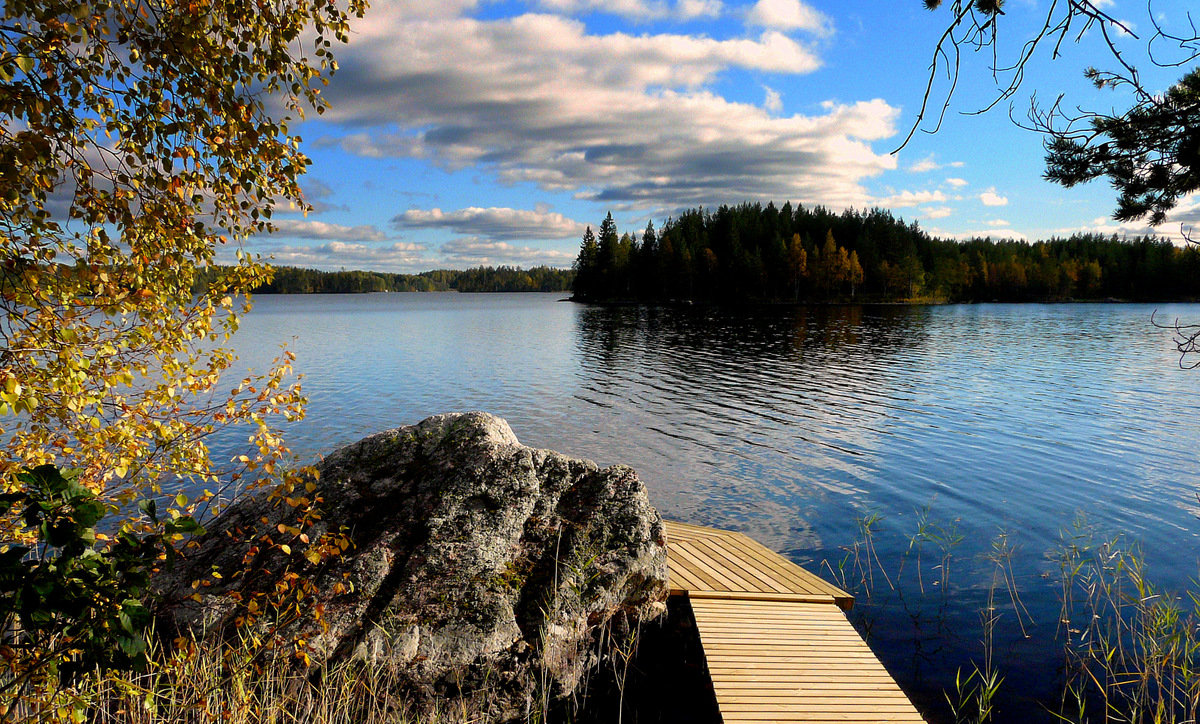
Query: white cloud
936	212
617	118
789	15
1181	224
417	9
472	251
306	229
636	9
925	164
398	257
773	101
408	257
910	198
690	9
991	198
1126	28
994	234
494	223
997	222
930	163
956	182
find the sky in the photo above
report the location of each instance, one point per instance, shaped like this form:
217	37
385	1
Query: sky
492	132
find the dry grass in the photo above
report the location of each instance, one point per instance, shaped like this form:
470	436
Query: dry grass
239	685
244	683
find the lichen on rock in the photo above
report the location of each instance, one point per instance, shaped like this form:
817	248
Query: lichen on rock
479	566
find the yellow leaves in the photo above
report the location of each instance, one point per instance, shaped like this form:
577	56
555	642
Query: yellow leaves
15	397
109	365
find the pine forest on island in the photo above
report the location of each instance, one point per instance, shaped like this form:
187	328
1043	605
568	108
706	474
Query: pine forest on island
752	253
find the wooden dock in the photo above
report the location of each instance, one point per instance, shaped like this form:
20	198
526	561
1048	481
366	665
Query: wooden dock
777	644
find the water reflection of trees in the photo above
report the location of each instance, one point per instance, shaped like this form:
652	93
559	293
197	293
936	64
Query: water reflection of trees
765	356
777	405
608	336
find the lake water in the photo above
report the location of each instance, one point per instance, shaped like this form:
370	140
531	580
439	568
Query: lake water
791	424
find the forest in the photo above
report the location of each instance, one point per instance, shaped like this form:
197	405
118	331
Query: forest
756	253
293	280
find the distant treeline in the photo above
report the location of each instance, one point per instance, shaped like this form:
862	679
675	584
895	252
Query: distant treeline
768	254
292	280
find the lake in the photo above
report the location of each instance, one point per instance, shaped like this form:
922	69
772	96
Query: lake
792	424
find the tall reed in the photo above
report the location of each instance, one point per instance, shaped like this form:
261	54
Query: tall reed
1130	649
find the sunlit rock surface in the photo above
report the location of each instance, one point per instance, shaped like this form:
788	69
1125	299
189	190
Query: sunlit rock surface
480	568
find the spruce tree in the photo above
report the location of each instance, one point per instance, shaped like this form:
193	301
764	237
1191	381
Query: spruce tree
587	266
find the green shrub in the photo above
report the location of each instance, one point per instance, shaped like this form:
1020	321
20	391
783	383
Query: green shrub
72	603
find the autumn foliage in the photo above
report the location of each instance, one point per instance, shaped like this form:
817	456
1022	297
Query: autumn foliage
139	138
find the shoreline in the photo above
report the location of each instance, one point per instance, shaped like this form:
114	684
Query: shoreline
868	303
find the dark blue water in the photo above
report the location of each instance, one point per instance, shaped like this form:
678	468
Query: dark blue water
791	424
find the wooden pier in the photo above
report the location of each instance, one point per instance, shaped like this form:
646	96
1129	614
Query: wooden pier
777	644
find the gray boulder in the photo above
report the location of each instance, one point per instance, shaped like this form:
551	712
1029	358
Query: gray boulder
480	568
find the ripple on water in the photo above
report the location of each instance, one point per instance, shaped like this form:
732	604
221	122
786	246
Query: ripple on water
788	424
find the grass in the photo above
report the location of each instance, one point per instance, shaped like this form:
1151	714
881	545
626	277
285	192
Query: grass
246	682
1130	650
239	685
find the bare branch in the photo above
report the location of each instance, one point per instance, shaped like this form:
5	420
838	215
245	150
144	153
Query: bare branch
976	29
1187	342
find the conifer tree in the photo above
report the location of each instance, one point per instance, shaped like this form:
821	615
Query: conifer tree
587	266
649	240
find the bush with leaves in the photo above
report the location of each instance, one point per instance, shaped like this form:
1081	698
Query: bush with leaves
72	603
137	138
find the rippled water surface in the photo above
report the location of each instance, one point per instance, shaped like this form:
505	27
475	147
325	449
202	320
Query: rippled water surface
792	424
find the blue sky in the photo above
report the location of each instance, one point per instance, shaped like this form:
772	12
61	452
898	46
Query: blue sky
468	132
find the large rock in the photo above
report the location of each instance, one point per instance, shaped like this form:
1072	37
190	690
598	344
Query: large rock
477	563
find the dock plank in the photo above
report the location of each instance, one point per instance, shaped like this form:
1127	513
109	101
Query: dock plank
710	560
828	670
777	644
